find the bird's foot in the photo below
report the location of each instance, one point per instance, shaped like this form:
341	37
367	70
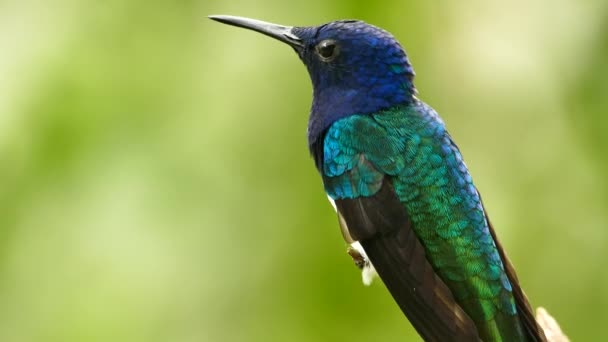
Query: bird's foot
359	259
368	272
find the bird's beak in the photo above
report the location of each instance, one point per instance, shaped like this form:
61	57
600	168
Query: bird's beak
280	32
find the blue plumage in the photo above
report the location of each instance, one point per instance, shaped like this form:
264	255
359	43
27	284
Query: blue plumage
371	72
401	188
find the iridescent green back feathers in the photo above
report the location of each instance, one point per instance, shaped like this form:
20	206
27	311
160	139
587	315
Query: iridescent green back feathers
409	146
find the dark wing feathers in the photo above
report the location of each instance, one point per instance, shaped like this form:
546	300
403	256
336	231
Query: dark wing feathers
524	310
382	226
373	214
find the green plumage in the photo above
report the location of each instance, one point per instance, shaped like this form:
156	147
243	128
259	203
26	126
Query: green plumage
400	187
410	146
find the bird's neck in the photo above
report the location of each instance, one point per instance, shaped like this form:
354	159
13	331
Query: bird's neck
331	104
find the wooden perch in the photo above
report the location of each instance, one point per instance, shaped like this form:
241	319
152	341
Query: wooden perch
552	330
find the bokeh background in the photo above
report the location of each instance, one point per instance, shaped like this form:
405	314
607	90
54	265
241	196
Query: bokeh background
155	183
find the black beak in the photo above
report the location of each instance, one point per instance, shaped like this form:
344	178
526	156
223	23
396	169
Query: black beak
280	32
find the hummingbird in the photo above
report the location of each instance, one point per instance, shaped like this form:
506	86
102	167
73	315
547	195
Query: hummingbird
404	197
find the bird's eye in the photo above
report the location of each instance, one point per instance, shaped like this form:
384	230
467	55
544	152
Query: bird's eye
327	49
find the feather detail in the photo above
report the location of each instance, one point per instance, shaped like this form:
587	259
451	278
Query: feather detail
532	329
385	232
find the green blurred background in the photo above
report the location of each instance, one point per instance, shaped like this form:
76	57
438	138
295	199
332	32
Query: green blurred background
155	183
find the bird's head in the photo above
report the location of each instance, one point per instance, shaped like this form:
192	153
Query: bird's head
355	68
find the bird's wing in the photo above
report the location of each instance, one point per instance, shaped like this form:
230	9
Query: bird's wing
526	314
364	196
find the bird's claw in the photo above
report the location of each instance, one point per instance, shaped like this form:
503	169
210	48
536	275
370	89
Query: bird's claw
358	258
368	272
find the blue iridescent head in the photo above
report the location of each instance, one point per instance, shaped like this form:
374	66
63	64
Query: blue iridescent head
355	68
